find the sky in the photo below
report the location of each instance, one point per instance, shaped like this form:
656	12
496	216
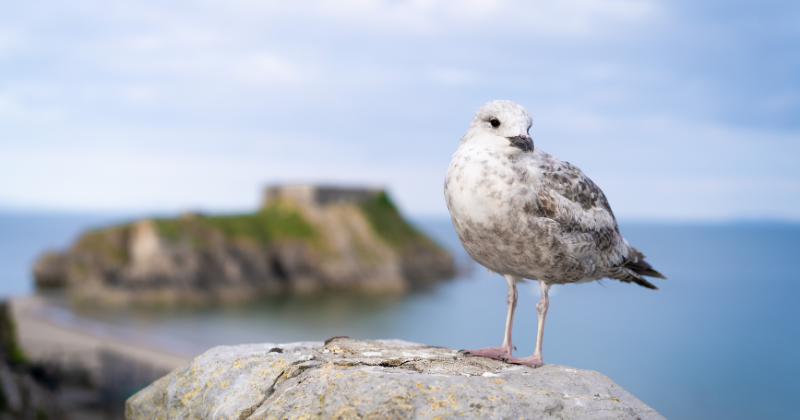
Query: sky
678	110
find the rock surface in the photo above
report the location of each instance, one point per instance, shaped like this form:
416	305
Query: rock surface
303	239
351	379
21	395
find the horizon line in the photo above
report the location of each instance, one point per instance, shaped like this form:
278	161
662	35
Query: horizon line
158	213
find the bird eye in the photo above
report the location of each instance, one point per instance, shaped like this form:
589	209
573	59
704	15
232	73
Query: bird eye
494	122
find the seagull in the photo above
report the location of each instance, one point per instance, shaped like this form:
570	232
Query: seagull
525	214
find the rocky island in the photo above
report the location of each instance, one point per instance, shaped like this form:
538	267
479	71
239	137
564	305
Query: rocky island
388	379
302	239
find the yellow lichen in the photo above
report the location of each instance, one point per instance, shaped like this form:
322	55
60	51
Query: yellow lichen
441	403
188	396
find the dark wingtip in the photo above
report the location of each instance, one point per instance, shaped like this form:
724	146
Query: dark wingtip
653	273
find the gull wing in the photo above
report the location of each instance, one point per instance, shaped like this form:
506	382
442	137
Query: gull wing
579	206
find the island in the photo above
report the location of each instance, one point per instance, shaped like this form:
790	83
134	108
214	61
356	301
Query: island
303	239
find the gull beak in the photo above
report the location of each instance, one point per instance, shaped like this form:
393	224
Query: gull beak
522	142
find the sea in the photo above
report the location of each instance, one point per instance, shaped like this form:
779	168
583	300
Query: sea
719	340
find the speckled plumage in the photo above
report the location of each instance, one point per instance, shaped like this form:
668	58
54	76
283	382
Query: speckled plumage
530	215
533	215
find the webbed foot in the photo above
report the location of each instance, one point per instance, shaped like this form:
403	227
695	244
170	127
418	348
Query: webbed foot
532	361
499	353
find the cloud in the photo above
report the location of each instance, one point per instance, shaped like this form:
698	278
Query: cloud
452	76
264	68
10	41
176	105
427	17
14	109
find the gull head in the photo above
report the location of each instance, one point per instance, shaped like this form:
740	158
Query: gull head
502	126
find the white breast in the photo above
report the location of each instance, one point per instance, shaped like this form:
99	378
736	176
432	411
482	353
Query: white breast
482	184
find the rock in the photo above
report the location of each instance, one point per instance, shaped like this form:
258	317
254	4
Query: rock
303	239
21	396
349	379
10	350
49	270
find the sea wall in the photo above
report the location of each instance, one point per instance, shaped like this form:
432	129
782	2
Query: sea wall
351	379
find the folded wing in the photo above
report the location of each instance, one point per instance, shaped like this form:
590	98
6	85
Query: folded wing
577	204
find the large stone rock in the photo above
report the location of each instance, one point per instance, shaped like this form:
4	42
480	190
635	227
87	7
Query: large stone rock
350	379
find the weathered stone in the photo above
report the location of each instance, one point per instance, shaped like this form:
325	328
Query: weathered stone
351	379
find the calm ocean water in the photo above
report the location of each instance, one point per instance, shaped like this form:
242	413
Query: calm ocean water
720	340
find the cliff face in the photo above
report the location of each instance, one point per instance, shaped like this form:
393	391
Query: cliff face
352	379
297	241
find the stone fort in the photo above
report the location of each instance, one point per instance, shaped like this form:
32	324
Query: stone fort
317	195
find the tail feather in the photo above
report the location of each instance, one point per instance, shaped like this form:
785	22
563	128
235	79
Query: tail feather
627	275
634	268
640	266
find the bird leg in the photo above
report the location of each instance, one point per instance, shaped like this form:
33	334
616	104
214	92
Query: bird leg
504	351
535	360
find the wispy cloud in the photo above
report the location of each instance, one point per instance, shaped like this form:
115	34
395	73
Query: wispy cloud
430	17
12	108
264	68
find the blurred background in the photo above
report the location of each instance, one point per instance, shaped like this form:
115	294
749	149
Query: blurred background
685	113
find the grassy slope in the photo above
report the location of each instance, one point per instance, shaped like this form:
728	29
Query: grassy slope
278	221
108	243
390	226
275	222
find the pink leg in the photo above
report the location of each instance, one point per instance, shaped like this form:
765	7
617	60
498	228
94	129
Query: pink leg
535	360
504	351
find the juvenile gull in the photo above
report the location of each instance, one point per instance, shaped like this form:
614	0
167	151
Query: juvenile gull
525	214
